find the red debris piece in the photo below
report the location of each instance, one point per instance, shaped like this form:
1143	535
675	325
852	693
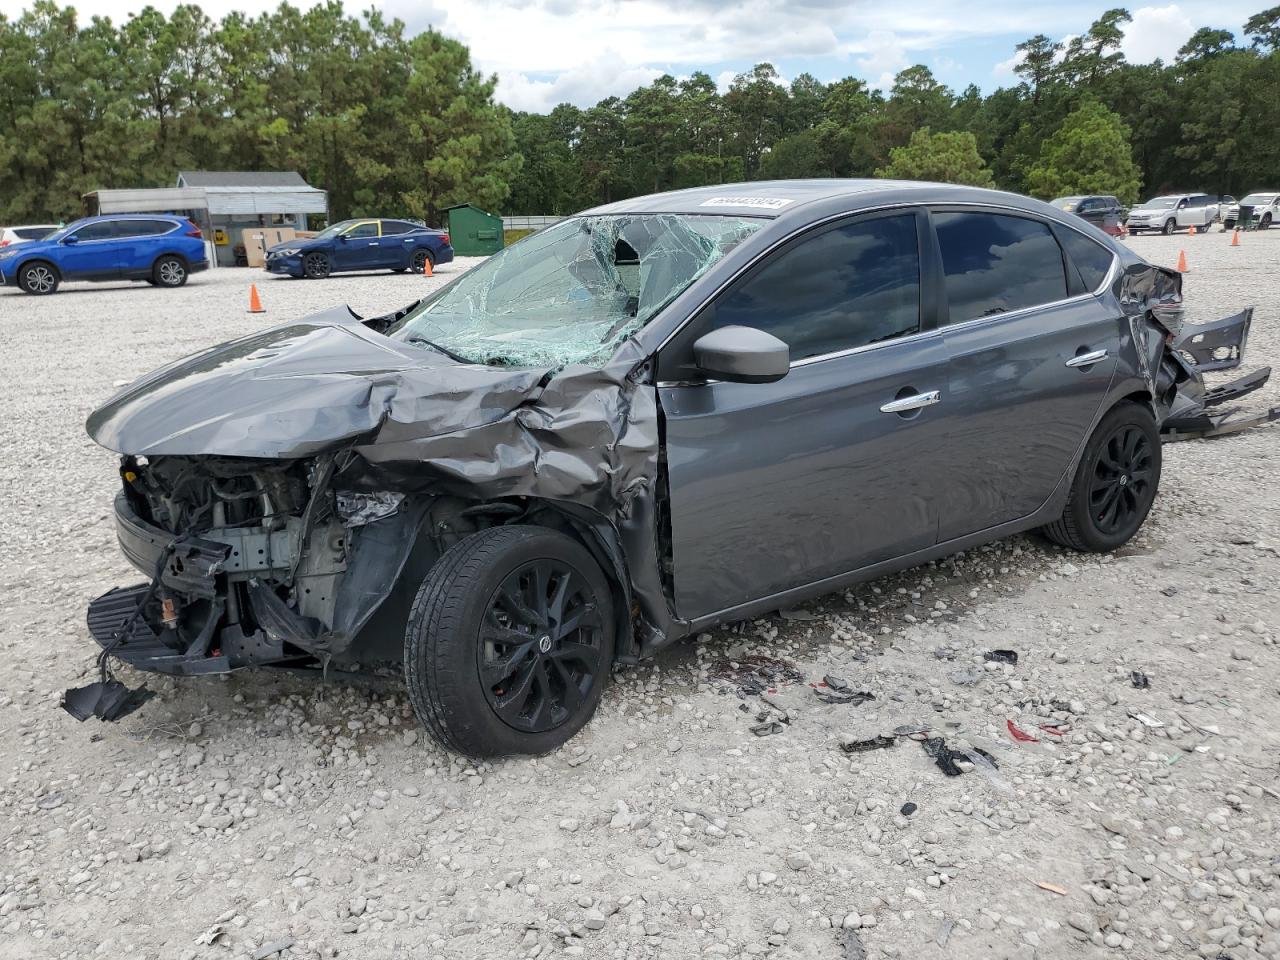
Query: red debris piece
1021	735
1054	731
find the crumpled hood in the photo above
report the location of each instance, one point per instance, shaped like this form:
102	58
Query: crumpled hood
302	388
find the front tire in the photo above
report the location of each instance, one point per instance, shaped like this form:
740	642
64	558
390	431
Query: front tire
1265	222
510	641
38	279
169	272
1167	228
316	266
1115	483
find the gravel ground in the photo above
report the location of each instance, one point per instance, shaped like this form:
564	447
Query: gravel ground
232	816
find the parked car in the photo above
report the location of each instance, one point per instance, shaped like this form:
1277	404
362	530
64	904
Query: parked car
657	416
1105	213
397	245
1263	209
22	234
1175	211
160	249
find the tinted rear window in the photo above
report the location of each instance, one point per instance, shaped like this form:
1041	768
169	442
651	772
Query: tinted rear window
1093	260
392	227
142	228
33	233
995	263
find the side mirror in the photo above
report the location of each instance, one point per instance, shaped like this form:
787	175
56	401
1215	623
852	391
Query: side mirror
342	237
742	355
72	238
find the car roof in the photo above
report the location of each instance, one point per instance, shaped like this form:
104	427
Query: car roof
775	198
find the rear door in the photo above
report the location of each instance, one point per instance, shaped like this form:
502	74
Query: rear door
360	248
139	244
778	485
1032	352
397	243
93	255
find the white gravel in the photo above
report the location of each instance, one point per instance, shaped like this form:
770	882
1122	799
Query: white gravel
230	816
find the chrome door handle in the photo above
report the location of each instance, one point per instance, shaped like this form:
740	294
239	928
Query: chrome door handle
1087	359
373	243
926	399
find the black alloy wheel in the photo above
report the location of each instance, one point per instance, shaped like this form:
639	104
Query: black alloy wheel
539	650
1123	480
1115	482
510	641
316	266
420	260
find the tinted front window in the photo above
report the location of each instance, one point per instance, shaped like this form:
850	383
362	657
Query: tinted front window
363	231
102	230
847	287
1092	259
994	264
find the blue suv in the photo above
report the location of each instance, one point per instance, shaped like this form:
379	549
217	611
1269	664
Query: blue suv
158	248
361	245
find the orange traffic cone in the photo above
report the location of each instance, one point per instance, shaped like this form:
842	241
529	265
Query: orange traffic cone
426	267
1182	262
1191	231
255	304
1235	237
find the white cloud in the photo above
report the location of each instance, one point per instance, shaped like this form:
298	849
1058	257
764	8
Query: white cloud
883	55
1156	32
1005	68
585	83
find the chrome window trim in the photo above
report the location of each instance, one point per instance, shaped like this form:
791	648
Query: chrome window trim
919	334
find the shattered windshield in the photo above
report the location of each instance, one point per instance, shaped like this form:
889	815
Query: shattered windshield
573	292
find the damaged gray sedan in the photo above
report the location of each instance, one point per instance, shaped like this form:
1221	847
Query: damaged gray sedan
653	417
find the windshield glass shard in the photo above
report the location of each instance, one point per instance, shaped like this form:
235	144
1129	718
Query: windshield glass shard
573	292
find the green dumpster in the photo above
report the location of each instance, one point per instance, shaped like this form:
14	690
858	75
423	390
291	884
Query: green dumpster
473	232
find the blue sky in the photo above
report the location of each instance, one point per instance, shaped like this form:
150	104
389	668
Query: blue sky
548	51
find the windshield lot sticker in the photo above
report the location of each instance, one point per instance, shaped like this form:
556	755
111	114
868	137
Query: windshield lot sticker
764	203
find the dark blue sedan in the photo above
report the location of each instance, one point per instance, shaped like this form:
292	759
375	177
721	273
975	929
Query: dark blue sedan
361	245
158	248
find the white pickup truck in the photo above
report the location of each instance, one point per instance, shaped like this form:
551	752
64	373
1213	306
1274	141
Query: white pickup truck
1265	205
1176	211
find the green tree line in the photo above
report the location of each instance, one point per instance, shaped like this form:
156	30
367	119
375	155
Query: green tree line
405	125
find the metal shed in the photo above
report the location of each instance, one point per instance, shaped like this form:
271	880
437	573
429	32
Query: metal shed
223	203
473	232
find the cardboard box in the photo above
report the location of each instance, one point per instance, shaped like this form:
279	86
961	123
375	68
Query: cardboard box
257	240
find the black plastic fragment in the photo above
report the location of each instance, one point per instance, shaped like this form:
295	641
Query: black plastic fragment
107	700
909	808
1002	656
946	758
865	746
1140	680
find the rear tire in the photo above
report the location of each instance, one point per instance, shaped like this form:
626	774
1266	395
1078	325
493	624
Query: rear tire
169	272
38	279
509	643
420	259
1115	484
